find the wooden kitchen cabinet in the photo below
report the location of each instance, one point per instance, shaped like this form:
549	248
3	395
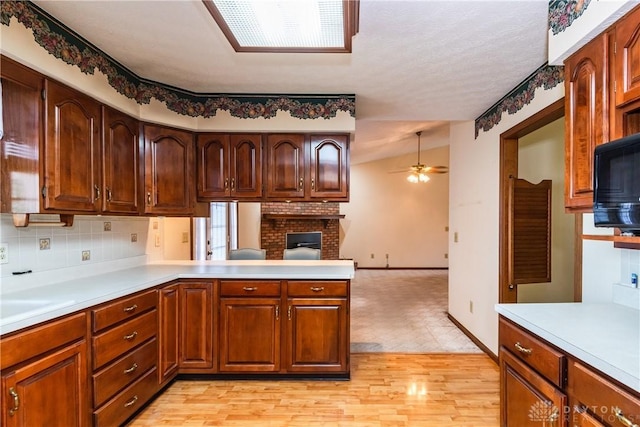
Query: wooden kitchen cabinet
22	125
229	166
120	167
71	150
168	333
168	171
196	327
329	167
307	167
627	58
250	326
44	375
317	331
586	119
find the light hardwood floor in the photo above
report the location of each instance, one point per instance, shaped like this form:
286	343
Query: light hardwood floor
385	390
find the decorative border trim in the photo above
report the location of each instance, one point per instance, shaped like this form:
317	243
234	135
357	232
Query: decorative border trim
64	44
562	13
547	76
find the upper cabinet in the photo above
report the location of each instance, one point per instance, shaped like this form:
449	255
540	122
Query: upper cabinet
229	166
307	167
627	66
71	150
586	119
120	167
168	171
22	133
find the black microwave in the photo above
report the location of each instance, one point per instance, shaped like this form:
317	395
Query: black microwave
616	184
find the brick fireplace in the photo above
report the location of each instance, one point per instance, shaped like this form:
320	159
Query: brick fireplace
278	219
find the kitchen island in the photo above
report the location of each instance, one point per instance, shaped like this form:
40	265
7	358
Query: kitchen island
112	341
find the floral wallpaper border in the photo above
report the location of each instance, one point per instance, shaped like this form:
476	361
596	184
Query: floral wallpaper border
562	13
71	48
547	76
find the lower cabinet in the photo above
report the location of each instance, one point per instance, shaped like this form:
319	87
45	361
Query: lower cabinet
168	327
51	387
196	327
541	385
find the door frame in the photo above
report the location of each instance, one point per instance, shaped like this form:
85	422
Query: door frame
509	168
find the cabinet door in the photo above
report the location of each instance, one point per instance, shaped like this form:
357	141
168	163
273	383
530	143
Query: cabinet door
168	157
50	391
196	326
526	398
250	335
71	150
168	333
19	160
246	166
329	167
586	120
213	166
317	335
627	58
120	139
285	166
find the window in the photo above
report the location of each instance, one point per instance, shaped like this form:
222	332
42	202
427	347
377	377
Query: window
223	229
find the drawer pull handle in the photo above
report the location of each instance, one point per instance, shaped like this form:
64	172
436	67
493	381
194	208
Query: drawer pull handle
133	400
317	288
522	349
249	288
16	401
131	336
131	369
623	420
130	308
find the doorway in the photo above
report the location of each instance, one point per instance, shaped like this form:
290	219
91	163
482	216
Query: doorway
514	145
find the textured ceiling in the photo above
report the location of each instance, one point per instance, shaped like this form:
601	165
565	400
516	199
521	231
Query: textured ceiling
416	65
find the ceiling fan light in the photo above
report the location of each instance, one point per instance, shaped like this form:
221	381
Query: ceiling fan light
423	177
413	178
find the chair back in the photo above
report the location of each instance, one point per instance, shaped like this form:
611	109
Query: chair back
248	253
301	253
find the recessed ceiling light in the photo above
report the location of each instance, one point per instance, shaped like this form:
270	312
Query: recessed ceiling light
287	25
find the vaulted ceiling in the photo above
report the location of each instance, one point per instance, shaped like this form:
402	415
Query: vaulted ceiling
415	65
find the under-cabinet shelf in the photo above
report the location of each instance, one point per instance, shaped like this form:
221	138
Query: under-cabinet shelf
308	217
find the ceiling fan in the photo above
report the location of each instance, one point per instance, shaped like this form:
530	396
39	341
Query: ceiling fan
419	172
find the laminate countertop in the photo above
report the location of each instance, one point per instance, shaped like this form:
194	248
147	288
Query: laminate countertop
23	308
605	336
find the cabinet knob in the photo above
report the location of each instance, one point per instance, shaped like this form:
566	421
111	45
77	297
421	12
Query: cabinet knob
249	288
313	184
133	400
623	420
233	184
301	184
97	192
108	190
131	336
149	198
522	349
131	369
226	183
317	288
130	308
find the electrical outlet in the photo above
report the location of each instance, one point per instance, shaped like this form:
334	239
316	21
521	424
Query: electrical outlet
86	255
446	256
185	237
45	244
455	237
372	256
470	306
157	240
134	237
4	253
386	256
107	226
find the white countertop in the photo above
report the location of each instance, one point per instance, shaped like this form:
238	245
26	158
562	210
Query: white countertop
605	336
23	308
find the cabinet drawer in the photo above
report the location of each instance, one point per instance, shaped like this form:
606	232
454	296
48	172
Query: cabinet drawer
25	345
123	371
317	289
120	339
258	288
530	349
128	401
602	397
122	309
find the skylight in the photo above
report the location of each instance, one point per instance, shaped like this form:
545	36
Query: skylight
287	25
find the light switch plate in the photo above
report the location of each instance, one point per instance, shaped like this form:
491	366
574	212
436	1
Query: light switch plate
4	253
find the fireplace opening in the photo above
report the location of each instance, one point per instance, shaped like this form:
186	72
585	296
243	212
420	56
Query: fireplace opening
304	240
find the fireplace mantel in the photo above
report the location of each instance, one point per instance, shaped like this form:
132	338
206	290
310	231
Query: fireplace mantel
325	218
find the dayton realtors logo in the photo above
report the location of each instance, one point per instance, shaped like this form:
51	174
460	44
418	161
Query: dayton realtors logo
544	412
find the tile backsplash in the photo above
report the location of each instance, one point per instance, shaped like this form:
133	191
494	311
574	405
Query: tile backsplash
91	240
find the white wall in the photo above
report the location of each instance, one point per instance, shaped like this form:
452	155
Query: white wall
474	215
249	225
541	156
388	215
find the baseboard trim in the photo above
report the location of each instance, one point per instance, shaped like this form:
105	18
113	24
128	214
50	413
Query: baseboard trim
473	338
403	268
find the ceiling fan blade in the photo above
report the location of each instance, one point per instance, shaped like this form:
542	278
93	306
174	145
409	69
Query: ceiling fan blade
436	169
